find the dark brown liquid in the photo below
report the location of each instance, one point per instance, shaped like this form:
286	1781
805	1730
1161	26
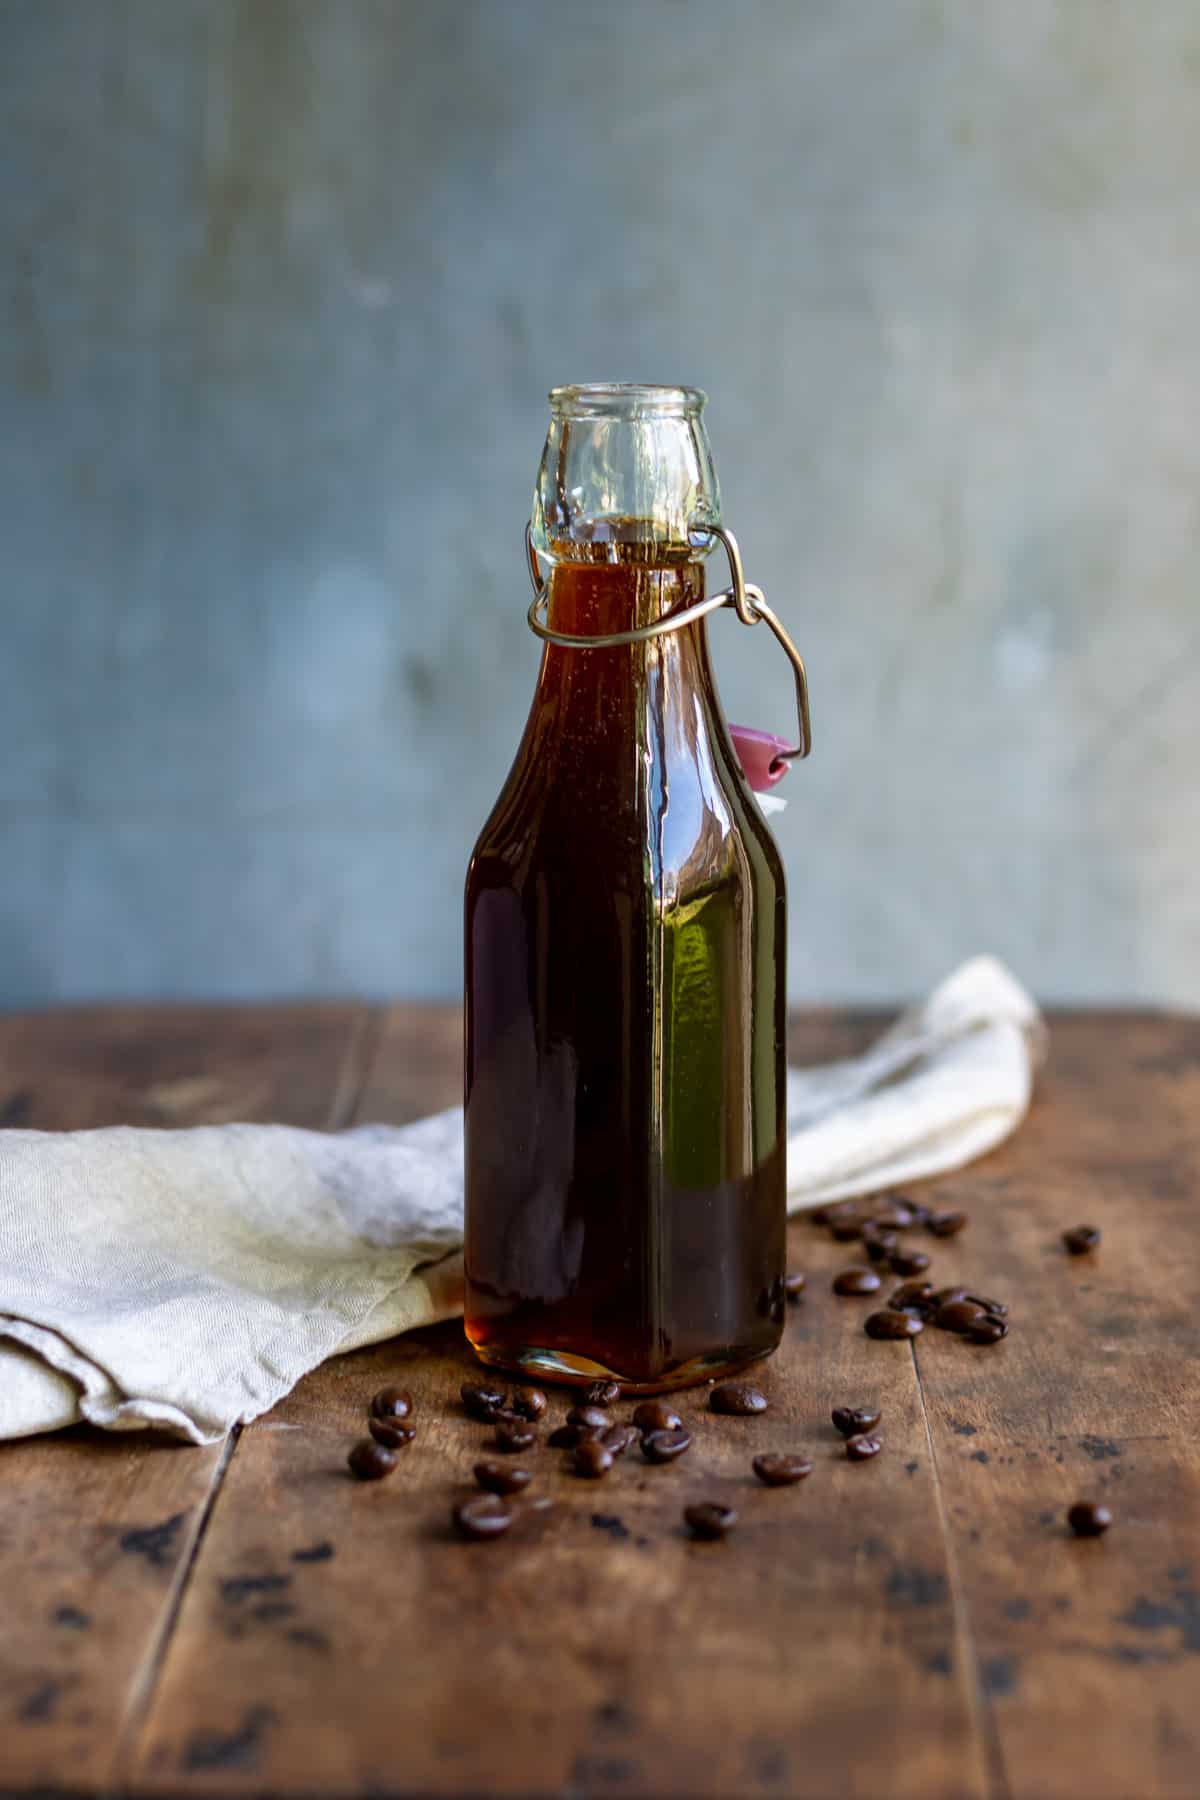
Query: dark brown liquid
625	938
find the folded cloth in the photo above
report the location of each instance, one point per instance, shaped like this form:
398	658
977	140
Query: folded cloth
188	1279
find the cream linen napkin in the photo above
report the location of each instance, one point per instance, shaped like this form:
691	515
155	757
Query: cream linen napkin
188	1279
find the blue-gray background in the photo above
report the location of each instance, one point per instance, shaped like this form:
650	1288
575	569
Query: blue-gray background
282	286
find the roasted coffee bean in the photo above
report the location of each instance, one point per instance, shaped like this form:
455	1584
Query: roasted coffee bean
567	1436
891	1324
958	1315
502	1478
821	1215
997	1308
528	1402
897	1215
862	1446
483	1516
482	1400
879	1245
793	1286
391	1403
738	1398
656	1415
850	1420
514	1433
948	1295
618	1438
393	1434
846	1230
946	1224
710	1520
856	1282
988	1330
1080	1239
603	1393
1088	1518
593	1459
908	1262
915	1294
590	1418
665	1446
371	1461
781	1470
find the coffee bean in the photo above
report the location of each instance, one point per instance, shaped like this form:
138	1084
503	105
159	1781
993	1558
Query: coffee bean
946	1224
371	1461
656	1415
850	1420
514	1433
482	1400
603	1393
892	1325
878	1244
908	1262
897	1215
781	1470
958	1315
483	1516
738	1398
916	1295
618	1438
856	1282
709	1520
862	1446
845	1231
528	1402
997	1308
793	1286
591	1418
567	1436
665	1446
393	1434
988	1330
1080	1239
947	1295
391	1403
593	1459
1088	1518
502	1478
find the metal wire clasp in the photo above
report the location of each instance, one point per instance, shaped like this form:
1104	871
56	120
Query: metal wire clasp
747	601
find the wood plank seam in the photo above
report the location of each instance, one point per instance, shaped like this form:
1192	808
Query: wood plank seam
981	1712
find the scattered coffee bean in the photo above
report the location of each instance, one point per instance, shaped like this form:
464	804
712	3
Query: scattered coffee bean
908	1262
897	1214
617	1439
856	1282
958	1315
603	1393
481	1400
879	1245
988	1330
593	1459
948	1295
590	1418
997	1308
862	1446
1080	1239
656	1415
946	1224
483	1516
391	1403
528	1402
1088	1518
710	1520
737	1398
502	1478
514	1433
567	1436
891	1324
371	1461
793	1286
845	1231
914	1295
393	1434
665	1446
781	1470
850	1420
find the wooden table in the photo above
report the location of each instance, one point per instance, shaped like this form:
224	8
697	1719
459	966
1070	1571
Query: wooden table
245	1619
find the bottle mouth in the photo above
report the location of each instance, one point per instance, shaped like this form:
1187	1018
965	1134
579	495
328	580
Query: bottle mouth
626	400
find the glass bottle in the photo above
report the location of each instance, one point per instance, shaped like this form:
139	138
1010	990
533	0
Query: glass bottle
625	946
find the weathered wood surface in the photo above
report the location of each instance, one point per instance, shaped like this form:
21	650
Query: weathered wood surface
920	1624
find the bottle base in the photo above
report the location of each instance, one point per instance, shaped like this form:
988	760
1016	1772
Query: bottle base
566	1368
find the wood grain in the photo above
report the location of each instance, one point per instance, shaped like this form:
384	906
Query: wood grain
97	1530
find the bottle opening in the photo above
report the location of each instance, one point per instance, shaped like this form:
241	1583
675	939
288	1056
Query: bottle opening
626	400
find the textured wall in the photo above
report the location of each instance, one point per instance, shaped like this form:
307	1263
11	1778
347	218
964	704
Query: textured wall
282	286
